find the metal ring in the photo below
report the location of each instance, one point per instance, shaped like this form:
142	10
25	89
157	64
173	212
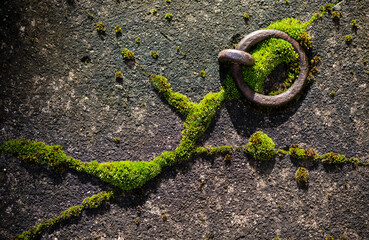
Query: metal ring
236	56
264	100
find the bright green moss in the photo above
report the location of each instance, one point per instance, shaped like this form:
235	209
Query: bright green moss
177	100
118	29
100	27
37	153
303	154
348	38
302	176
260	146
96	200
88	203
118	75
269	54
154	54
126	175
333	158
202	73
169	16
127	54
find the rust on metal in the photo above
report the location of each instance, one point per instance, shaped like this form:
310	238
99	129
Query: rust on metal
236	69
236	56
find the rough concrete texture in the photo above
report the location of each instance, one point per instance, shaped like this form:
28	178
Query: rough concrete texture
49	95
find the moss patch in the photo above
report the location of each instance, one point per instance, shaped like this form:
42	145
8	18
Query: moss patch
302	176
260	146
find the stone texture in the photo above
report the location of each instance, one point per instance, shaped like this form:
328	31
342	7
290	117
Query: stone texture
48	94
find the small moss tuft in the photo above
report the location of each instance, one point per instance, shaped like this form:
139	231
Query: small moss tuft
169	16
154	54
348	38
302	176
118	29
138	40
90	16
246	16
128	55
117	140
100	27
336	15
260	146
119	75
202	73
353	23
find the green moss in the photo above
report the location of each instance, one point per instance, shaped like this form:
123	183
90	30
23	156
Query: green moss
97	200
303	154
154	54
118	29
118	75
127	54
88	203
90	16
202	73
117	140
169	16
302	176
269	54
348	39
177	100
246	16
138	40
100	27
260	146
154	11
228	158
336	15
333	158
353	23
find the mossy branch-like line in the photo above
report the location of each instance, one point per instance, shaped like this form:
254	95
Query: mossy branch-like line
94	201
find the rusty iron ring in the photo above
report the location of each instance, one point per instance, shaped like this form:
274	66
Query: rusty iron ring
236	56
260	99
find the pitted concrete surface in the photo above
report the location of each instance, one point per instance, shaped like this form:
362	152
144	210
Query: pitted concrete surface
48	94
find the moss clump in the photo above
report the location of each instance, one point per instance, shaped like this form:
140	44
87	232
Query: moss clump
303	154
333	158
169	16
154	54
353	23
261	147
118	29
90	16
119	75
302	176
336	15
227	158
202	73
348	38
128	55
154	11
246	16
100	27
138	40
304	40
117	140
